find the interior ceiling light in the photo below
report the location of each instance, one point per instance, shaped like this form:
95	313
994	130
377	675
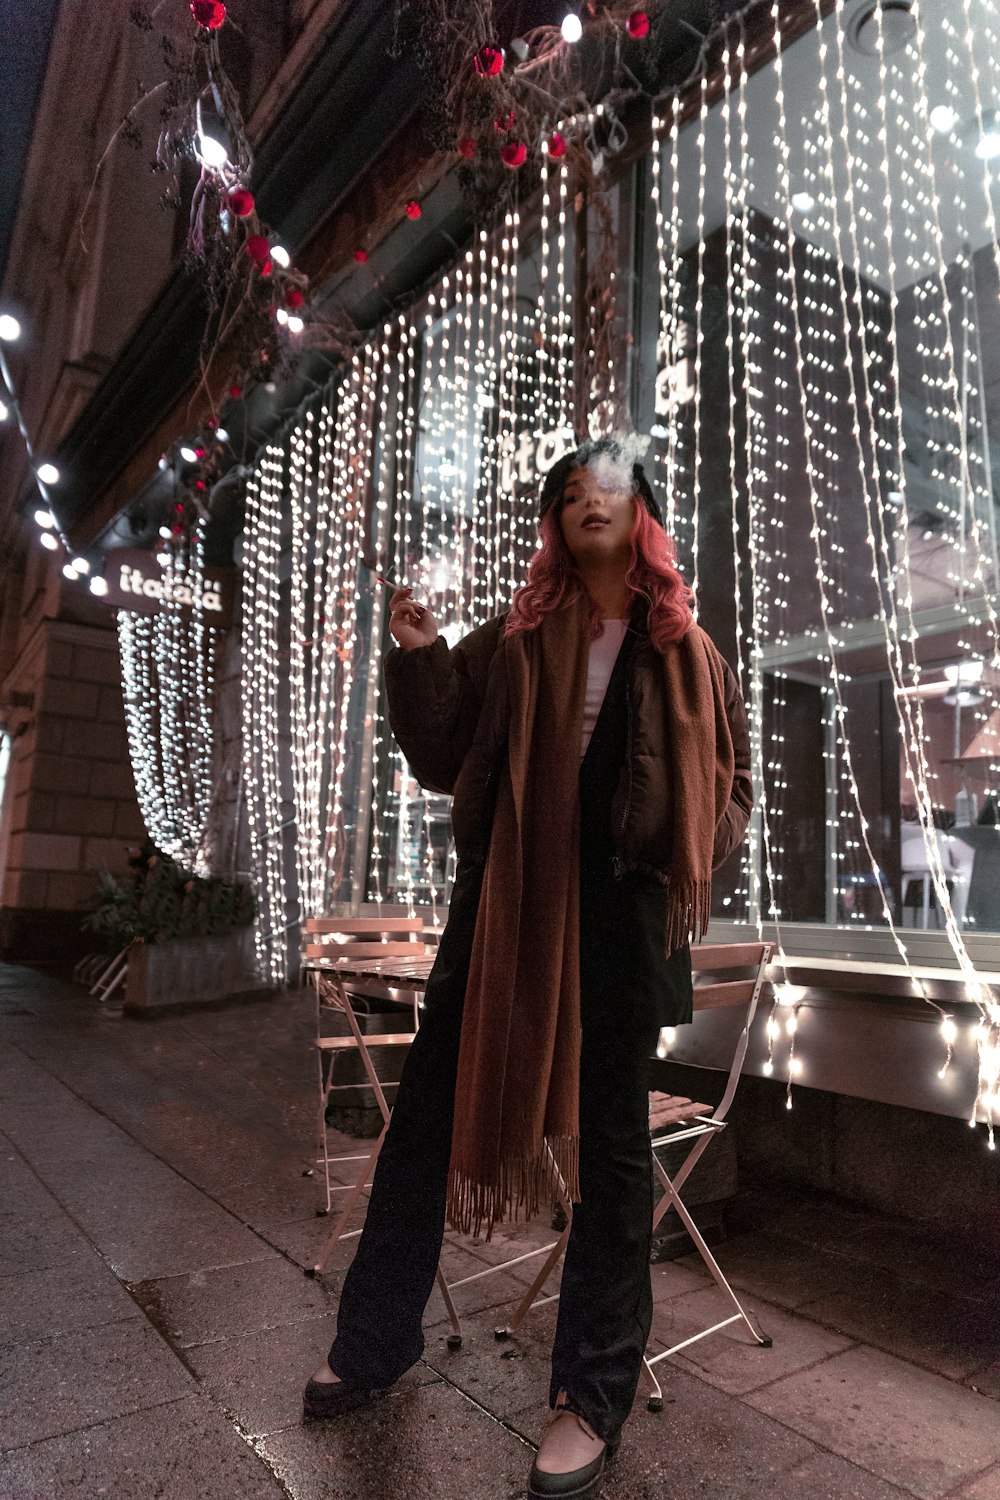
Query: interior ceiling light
943	118
897	23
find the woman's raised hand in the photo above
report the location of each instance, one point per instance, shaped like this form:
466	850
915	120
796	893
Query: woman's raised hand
410	623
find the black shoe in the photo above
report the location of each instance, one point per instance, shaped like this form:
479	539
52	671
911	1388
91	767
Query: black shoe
332	1398
578	1484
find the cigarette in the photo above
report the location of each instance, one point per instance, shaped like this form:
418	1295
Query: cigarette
385	579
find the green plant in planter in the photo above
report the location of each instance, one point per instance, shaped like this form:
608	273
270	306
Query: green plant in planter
161	900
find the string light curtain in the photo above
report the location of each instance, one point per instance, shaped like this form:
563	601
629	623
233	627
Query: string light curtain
168	667
852	254
823	260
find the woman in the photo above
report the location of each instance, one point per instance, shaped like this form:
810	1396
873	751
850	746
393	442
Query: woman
597	750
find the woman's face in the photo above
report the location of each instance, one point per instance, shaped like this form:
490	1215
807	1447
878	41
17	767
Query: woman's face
596	523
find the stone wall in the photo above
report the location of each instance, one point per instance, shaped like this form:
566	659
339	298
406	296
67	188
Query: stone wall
69	807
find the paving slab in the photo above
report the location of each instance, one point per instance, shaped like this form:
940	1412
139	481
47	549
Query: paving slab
156	1242
729	1359
56	1385
35	1241
913	1254
703	1444
82	1294
505	1376
432	1443
951	1335
782	1270
220	1303
985	1486
258	1380
180	1451
908	1426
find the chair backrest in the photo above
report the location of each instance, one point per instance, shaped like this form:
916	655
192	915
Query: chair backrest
361	937
718	963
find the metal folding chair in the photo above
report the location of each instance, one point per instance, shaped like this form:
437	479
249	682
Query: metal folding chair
348	960
684	1120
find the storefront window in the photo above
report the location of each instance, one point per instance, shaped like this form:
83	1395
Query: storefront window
838	517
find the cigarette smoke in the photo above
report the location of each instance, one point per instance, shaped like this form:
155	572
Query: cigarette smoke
613	470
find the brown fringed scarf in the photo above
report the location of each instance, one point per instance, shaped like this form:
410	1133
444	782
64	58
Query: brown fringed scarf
519	1060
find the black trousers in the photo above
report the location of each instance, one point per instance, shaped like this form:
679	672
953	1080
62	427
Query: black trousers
605	1307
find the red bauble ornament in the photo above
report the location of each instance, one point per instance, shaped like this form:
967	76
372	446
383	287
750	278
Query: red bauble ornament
361	256
504	122
240	201
413	209
209	14
488	61
557	144
293	297
467	146
199	484
265	269
236	392
212	423
259	249
199	452
514	154
637	25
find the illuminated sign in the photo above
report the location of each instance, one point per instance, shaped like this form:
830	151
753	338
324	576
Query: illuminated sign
137	582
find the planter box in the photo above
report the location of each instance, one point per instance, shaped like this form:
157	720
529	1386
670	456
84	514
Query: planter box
187	971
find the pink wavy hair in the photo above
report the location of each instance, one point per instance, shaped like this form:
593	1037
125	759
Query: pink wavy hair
553	580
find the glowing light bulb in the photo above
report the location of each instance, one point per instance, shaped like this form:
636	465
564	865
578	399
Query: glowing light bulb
165	533
4	412
222	435
49	541
10	328
189	455
572	27
45	519
280	256
943	118
803	203
69	571
212	152
281	315
98	585
82	565
295	323
988	145
48	473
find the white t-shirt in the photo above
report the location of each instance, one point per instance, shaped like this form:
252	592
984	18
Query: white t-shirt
600	664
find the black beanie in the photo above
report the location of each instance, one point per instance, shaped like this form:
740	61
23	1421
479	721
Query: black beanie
555	480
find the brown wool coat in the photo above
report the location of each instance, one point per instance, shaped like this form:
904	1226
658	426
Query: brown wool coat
448	710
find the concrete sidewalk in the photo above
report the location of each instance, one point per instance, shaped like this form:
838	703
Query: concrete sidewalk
157	1327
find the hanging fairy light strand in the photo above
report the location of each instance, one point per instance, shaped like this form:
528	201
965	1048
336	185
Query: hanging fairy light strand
168	688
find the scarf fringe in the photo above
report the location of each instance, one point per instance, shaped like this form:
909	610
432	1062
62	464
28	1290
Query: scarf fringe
689	908
473	1204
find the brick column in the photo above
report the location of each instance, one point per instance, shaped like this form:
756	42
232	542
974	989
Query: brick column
69	805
